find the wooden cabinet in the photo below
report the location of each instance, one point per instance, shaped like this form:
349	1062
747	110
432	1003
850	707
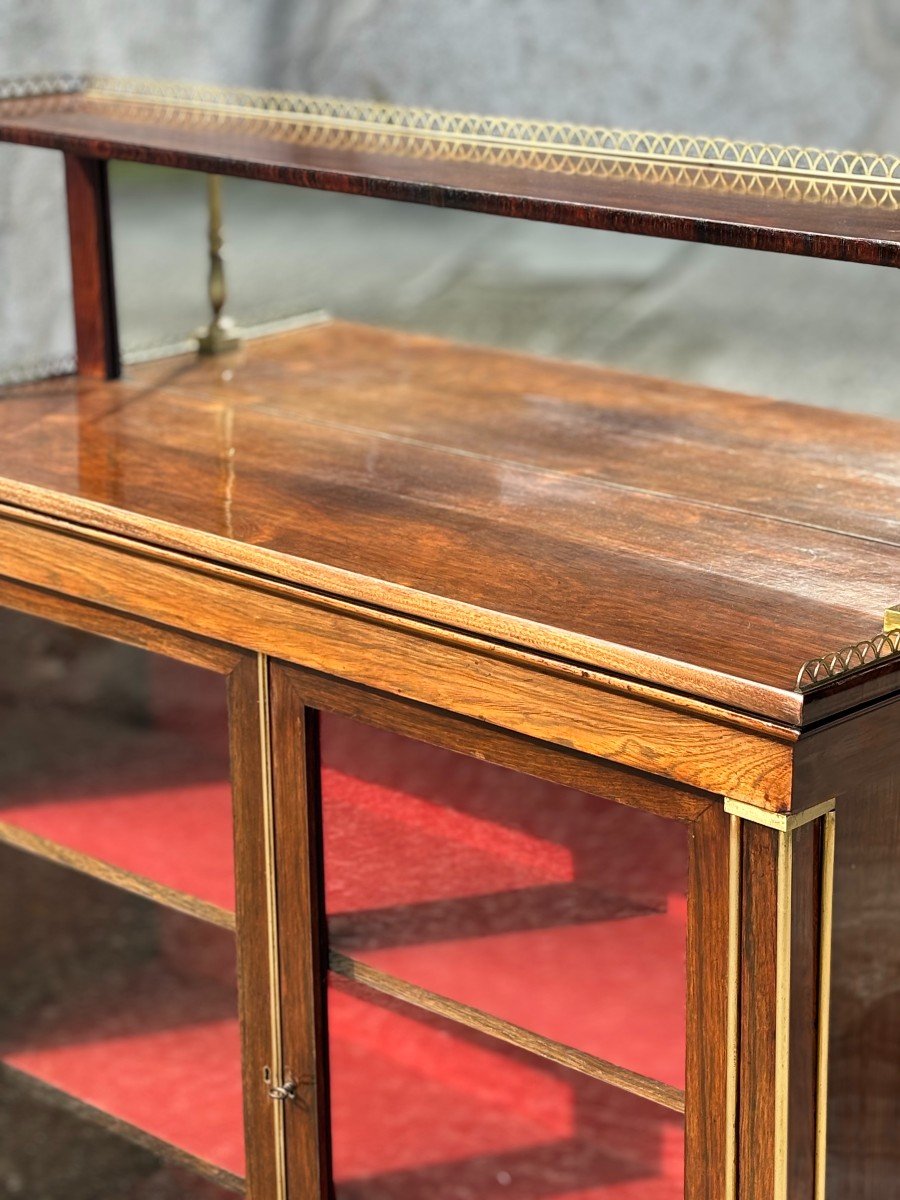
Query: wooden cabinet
429	772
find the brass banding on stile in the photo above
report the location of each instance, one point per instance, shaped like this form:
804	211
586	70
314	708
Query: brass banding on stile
785	825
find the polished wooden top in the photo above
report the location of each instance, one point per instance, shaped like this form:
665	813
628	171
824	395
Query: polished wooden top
703	541
786	199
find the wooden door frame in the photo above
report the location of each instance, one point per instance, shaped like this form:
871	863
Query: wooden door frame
297	695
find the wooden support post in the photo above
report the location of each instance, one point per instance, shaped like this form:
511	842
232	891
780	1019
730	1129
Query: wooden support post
93	291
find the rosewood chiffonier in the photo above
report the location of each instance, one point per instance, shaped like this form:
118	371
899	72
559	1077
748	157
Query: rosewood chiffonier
431	772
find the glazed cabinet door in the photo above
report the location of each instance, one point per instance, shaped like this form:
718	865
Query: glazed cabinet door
485	970
123	918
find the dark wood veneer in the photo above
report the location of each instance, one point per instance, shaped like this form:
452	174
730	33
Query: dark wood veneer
707	1116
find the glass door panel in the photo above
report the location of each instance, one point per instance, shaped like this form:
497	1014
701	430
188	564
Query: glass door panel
559	912
88	1160
119	756
123	1013
424	1109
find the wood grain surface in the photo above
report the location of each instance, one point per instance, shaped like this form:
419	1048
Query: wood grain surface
700	204
480	740
701	541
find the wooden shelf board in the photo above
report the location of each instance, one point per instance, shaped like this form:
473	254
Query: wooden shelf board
514	1035
23	839
663	533
484	164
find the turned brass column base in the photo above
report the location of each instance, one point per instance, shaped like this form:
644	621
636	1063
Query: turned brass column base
219	337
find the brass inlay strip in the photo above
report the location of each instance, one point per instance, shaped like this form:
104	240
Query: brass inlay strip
505	1031
783	822
734	1007
277	1065
826	928
784	925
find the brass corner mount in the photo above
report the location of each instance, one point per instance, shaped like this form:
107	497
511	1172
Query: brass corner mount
892	618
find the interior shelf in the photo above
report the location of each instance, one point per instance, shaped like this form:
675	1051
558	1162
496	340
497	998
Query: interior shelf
133	788
561	913
425	1110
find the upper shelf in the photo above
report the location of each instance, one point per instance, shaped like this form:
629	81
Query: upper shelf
764	197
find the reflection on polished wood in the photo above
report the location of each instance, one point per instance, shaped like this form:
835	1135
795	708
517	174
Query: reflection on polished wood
395	469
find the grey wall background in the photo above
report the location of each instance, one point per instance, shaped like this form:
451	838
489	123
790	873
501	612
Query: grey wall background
814	71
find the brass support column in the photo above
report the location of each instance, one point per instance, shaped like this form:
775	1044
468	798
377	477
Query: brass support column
220	334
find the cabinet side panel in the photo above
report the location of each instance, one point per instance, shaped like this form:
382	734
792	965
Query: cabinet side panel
864	1107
